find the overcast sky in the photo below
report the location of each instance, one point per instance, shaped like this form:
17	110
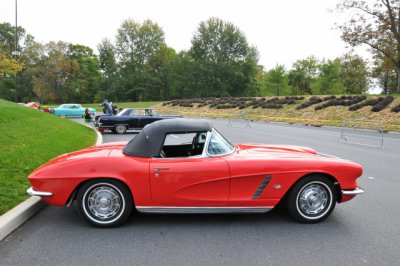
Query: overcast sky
282	31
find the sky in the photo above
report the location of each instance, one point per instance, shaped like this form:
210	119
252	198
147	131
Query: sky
283	31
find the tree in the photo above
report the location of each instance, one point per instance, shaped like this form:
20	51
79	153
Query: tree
376	25
354	74
85	77
109	68
7	37
302	74
255	88
160	70
11	66
185	77
8	66
135	44
51	75
107	58
329	80
277	81
218	41
384	71
225	62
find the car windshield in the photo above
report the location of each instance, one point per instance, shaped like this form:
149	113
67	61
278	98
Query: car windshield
63	106
218	145
125	112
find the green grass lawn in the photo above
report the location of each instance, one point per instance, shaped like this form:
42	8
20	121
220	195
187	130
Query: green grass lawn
29	138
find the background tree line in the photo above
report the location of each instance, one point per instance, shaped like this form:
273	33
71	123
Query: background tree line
138	65
344	75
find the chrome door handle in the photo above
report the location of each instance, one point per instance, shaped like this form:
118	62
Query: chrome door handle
160	169
156	170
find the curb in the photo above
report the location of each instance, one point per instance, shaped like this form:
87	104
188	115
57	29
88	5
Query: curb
15	217
99	138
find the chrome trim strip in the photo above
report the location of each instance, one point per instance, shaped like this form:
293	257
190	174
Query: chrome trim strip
33	192
356	191
209	140
156	209
261	187
327	155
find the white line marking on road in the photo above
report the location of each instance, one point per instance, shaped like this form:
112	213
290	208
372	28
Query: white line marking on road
371	177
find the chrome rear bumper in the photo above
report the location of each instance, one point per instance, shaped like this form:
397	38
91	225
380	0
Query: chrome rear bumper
353	192
33	192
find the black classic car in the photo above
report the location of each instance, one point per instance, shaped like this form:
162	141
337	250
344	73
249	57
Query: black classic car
128	118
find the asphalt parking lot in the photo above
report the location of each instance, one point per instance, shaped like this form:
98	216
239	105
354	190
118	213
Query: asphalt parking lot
364	231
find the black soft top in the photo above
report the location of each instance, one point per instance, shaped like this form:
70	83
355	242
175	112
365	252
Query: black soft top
148	142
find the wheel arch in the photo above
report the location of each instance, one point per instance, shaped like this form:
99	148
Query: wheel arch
121	124
72	197
333	179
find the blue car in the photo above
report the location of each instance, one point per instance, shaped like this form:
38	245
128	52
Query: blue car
72	109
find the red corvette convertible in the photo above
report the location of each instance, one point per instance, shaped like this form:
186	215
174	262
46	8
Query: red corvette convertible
186	166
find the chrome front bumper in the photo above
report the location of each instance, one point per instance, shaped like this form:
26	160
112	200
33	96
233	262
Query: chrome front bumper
33	192
353	192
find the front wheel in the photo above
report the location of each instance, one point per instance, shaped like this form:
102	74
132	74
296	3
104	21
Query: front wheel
105	203
312	199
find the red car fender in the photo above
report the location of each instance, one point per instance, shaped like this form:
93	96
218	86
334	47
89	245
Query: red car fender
63	178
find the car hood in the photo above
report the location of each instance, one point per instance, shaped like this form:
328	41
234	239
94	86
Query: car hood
262	151
273	148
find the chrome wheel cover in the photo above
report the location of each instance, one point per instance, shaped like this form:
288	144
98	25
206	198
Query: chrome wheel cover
103	203
120	129
314	200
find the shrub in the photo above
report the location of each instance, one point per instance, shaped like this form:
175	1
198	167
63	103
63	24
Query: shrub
396	109
313	100
382	104
242	106
378	104
272	106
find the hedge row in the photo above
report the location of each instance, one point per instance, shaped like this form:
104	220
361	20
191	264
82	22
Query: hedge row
378	104
354	102
342	101
314	100
232	102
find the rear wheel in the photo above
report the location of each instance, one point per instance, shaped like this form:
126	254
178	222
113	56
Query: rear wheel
105	203
312	199
120	129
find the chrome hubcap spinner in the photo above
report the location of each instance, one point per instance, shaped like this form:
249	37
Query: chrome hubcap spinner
313	199
104	202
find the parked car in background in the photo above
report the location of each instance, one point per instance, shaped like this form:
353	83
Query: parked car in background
34	105
187	166
71	109
47	109
128	118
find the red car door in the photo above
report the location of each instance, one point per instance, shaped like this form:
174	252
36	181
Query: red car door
191	181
